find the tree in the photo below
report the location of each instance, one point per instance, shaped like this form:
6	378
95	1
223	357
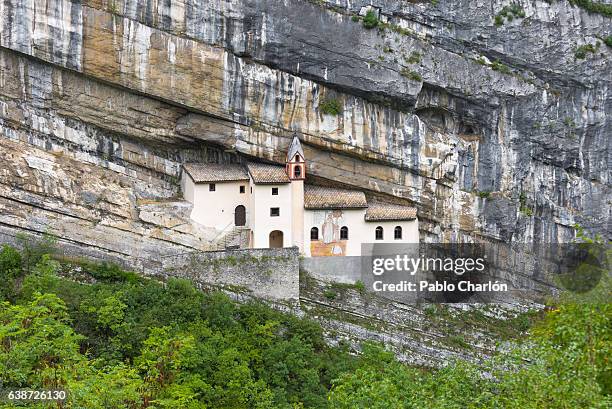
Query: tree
40	349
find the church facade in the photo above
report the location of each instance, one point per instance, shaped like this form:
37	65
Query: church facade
273	207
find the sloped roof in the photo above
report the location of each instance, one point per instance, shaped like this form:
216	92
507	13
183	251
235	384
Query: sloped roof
267	174
387	212
214	172
318	197
295	147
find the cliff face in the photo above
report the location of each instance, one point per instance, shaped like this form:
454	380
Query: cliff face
495	131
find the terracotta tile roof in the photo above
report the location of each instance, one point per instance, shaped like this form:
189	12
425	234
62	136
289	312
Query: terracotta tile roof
317	197
386	211
213	172
267	174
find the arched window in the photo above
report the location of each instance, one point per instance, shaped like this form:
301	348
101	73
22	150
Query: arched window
297	171
379	233
397	233
314	233
344	233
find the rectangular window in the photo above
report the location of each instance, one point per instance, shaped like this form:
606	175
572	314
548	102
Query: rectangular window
242	189
212	187
274	191
275	211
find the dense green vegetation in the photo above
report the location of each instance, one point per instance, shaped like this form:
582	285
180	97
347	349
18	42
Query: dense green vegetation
370	20
115	340
330	106
593	7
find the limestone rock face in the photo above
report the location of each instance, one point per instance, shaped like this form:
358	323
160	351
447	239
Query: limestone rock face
495	132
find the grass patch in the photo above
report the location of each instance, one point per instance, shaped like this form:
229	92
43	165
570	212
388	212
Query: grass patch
359	286
499	66
456	341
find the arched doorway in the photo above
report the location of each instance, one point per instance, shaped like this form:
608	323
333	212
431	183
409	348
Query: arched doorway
240	215
276	239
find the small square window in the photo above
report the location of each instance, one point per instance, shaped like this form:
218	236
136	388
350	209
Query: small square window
274	191
275	211
212	187
242	189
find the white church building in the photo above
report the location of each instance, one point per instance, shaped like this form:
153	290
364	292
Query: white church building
272	207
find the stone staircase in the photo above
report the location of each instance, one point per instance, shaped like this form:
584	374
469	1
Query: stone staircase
236	237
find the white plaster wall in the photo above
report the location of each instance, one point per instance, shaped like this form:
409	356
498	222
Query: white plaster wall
410	232
261	222
187	187
352	218
216	209
360	231
297	210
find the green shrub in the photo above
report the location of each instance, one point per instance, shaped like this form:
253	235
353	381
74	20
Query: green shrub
330	106
413	75
10	269
355	18
10	262
370	20
484	194
32	249
581	52
510	13
109	272
360	286
330	294
569	122
608	41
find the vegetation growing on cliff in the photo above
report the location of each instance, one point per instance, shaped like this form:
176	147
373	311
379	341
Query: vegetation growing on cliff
116	340
370	20
413	75
509	13
581	52
330	106
593	7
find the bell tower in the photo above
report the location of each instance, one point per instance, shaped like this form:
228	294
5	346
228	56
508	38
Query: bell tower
295	162
296	171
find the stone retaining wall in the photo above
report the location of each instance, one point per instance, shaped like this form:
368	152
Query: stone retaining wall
265	273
